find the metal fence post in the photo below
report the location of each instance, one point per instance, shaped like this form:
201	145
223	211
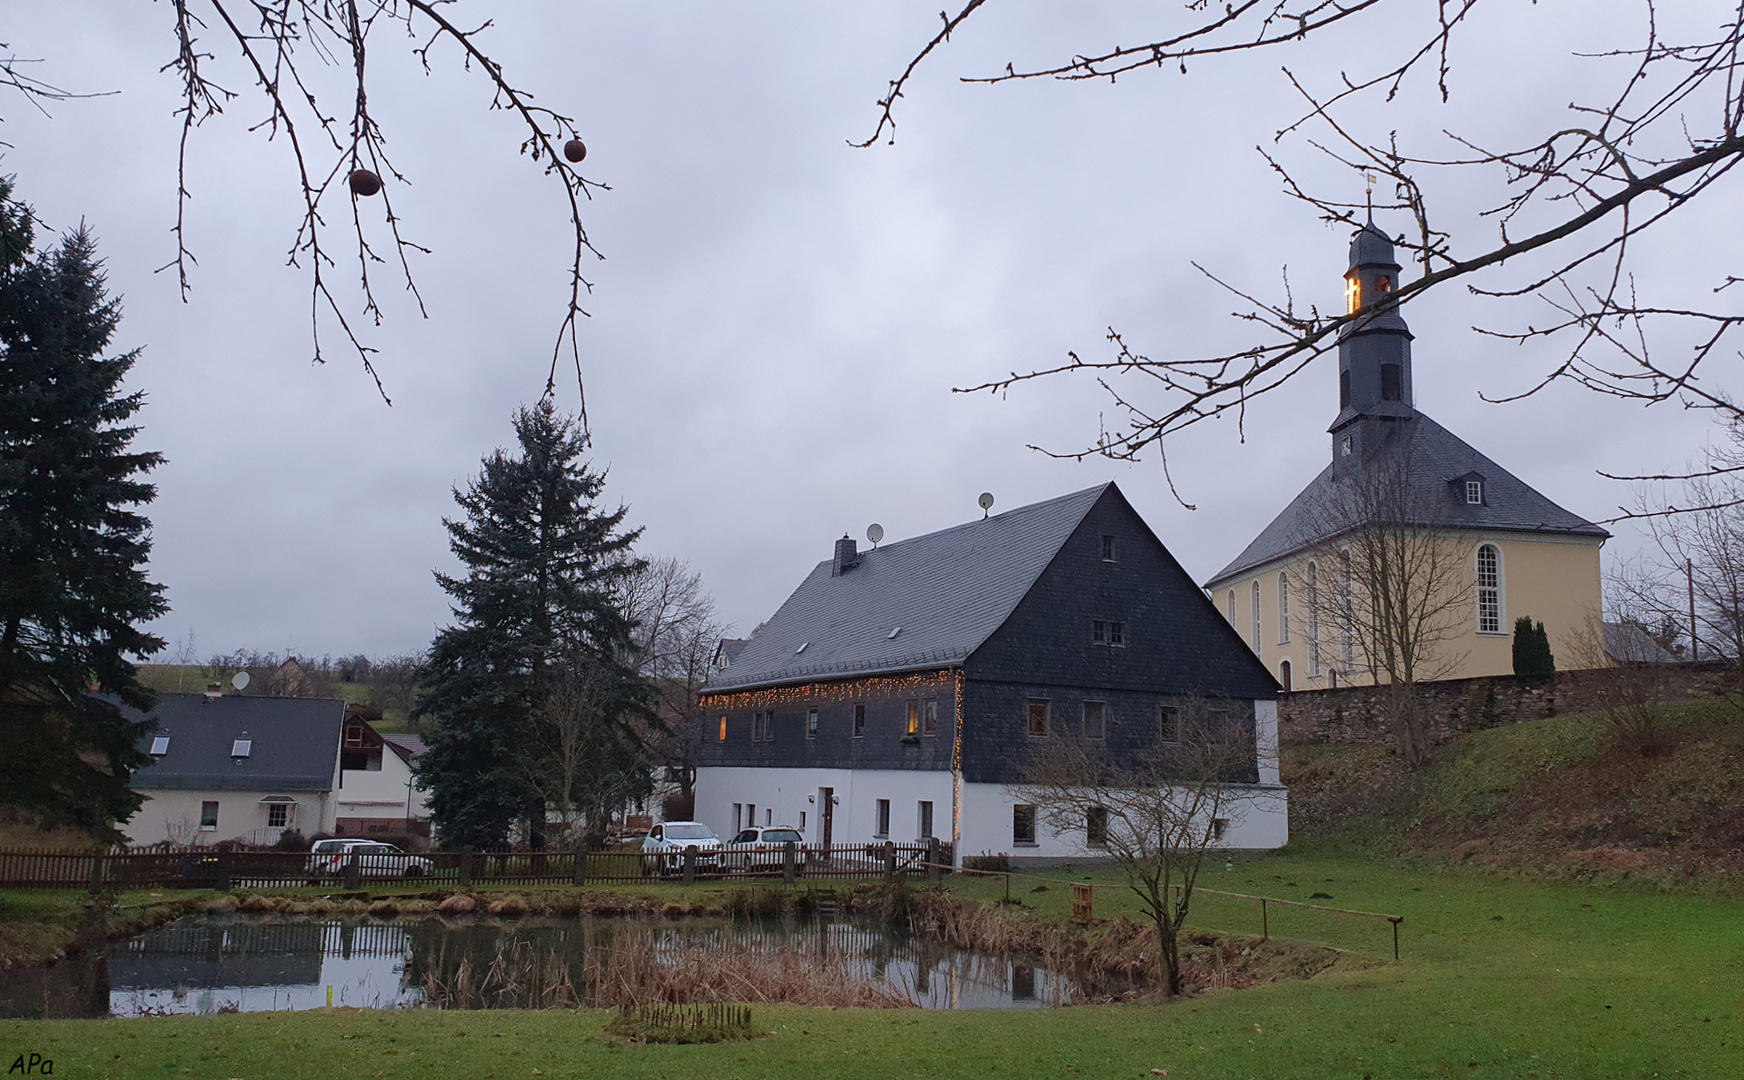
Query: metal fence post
581	865
466	865
889	860
932	858
690	864
789	861
353	871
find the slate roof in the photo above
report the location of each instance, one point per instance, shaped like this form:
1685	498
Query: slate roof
409	747
947	591
1438	456
1629	643
295	743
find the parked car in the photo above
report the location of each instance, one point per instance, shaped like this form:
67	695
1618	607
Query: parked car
762	847
375	859
668	840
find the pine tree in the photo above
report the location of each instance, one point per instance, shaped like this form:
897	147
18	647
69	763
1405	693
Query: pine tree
537	613
1532	648
73	545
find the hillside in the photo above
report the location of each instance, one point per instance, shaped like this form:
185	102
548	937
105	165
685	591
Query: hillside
1560	797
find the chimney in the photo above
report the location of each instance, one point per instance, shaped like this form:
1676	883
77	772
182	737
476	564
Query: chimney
214	691
846	556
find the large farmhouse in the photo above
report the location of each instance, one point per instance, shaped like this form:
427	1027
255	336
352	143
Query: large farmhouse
898	692
250	769
1495	549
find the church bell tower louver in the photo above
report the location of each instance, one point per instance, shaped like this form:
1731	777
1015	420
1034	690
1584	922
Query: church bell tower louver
1374	354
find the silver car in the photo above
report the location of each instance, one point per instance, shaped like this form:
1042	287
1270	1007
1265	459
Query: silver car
375	859
763	847
668	840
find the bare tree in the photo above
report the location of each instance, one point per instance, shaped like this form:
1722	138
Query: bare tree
310	65
393	681
1576	194
1154	811
675	637
580	767
1389	583
1631	692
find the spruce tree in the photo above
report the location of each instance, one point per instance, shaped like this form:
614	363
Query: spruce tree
73	544
1532	648
538	607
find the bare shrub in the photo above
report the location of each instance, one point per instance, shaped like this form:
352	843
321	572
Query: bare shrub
1631	693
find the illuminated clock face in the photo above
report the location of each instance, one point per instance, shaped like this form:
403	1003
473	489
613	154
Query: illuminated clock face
1352	295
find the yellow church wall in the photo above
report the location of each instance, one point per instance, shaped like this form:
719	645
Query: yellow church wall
1555	580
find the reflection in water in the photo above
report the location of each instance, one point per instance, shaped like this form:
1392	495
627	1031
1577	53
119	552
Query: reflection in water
205	964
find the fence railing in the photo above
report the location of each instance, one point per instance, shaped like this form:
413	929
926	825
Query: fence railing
226	870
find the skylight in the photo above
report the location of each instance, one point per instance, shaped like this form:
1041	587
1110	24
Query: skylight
893	634
160	745
801	648
241	748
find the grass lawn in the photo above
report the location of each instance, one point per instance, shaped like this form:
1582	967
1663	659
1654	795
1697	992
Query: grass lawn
1573	980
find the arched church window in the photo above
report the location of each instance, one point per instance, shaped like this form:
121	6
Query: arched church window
1489	589
1313	621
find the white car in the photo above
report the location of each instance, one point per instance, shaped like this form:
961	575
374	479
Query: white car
375	859
669	839
763	847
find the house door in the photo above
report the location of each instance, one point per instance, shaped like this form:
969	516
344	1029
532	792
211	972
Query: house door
1284	675
826	816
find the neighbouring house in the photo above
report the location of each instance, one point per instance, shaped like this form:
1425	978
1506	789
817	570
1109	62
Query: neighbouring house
1518	553
897	694
249	769
289	680
1630	643
727	651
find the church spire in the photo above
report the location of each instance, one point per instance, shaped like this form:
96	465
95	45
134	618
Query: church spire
1374	353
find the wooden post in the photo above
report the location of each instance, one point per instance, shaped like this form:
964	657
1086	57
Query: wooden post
789	861
1265	927
932	858
690	864
889	860
466	865
97	874
224	871
353	871
580	865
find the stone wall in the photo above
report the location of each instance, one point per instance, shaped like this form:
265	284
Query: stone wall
1356	715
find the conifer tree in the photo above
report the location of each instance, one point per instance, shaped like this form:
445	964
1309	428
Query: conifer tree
537	612
73	544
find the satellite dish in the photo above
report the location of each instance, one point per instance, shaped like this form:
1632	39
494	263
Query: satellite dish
874	533
985	502
240	681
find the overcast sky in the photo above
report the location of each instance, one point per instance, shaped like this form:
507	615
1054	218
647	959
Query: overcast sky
780	319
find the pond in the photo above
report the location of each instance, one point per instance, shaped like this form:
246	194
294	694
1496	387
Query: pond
220	963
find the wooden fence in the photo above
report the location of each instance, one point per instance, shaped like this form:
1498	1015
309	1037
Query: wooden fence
227	870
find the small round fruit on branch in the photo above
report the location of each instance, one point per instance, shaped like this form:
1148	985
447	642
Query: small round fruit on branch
365	183
575	150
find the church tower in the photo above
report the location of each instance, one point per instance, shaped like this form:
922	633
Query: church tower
1374	356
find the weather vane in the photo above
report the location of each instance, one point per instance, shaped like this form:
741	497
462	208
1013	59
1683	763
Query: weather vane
1369	194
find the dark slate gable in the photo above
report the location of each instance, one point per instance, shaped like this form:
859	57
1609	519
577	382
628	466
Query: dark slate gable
1438	457
295	744
948	591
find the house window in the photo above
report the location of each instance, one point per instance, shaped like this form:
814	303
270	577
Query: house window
932	716
1284	675
1256	616
883	822
802	821
209	814
1095	720
1474	492
1489	589
811	723
1096	826
278	815
354	735
1168	724
769	815
242	748
1023	822
913	727
1229	602
1038	716
1098	632
1107	548
723	737
1283	609
859	720
1117	635
1313	621
160	745
926	819
1392	382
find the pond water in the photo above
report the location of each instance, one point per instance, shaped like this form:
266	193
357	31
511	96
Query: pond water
207	964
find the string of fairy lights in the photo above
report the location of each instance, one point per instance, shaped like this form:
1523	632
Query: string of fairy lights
837	692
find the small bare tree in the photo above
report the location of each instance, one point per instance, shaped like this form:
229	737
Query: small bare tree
1631	690
1156	810
1393	583
578	767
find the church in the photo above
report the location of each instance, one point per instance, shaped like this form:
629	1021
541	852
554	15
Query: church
1482	543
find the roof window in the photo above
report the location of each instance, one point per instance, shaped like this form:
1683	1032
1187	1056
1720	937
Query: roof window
160	745
242	748
1474	492
801	648
892	635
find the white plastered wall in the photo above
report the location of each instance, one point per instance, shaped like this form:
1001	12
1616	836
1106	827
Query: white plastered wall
383	793
175	816
1258	817
789	792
